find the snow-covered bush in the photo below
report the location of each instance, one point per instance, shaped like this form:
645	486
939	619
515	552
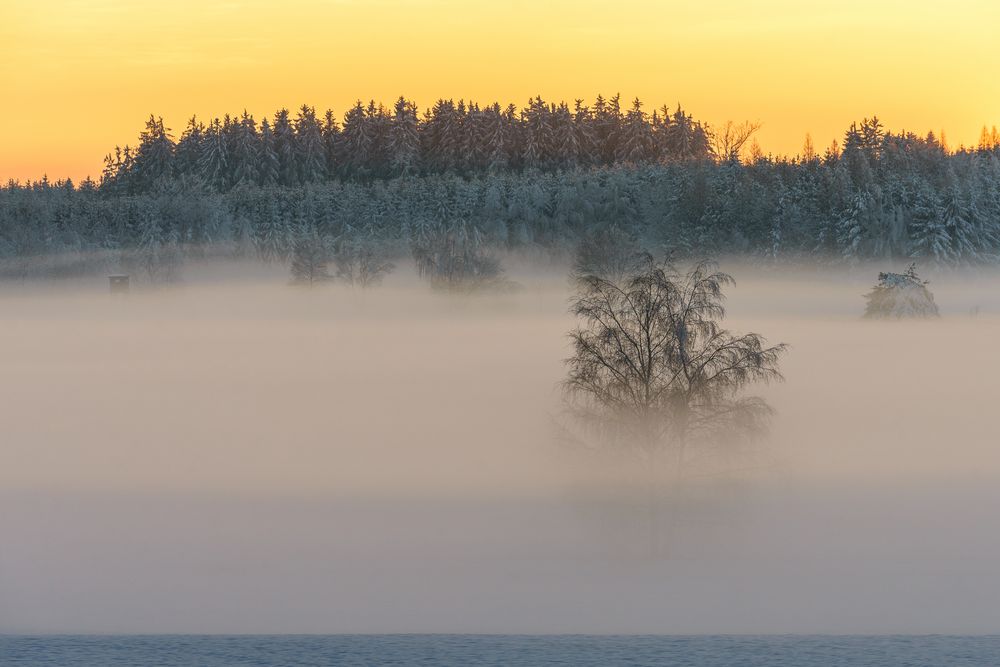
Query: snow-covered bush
899	295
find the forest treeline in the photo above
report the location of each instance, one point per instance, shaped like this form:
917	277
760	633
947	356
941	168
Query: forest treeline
546	176
373	142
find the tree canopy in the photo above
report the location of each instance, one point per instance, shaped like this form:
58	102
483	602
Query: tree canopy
652	370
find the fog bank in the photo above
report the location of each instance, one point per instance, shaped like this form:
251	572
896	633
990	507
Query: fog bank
235	455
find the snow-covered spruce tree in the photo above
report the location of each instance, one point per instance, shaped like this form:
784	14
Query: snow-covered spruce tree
309	146
285	147
156	257
331	135
213	159
497	137
960	228
267	156
244	159
635	144
355	143
310	260
273	236
404	139
899	295
566	143
155	154
929	236
188	149
537	124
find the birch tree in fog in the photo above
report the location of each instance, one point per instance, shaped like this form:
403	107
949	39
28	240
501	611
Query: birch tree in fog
653	370
654	374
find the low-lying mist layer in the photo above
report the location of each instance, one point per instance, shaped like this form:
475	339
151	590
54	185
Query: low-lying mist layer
236	455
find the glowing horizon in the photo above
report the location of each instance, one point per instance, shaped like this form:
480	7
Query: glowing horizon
80	76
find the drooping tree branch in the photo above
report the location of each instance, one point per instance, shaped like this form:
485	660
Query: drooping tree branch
651	367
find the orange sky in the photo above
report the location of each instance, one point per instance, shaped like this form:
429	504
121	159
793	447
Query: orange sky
79	76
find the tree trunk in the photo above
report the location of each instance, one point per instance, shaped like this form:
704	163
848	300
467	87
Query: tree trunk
653	505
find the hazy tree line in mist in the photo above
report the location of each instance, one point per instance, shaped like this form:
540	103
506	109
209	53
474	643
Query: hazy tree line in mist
458	182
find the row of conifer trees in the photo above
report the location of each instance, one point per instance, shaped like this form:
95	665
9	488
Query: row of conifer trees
877	195
375	142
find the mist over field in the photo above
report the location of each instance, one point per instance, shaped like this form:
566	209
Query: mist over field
232	454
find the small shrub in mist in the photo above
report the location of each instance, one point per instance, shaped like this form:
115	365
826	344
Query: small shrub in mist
654	376
310	260
900	295
454	257
361	261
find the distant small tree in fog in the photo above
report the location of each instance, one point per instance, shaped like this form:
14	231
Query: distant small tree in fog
361	262
310	260
454	257
729	139
653	373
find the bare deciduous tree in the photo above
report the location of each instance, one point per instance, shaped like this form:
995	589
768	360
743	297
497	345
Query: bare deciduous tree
454	257
361	262
728	141
653	373
310	260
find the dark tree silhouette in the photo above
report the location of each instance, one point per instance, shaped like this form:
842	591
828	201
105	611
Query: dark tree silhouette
653	374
